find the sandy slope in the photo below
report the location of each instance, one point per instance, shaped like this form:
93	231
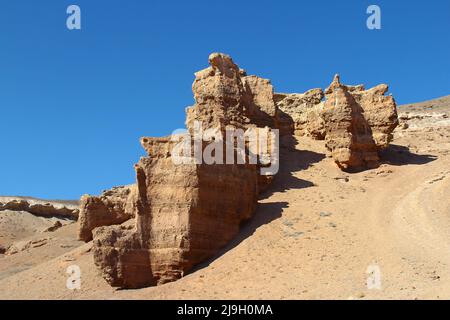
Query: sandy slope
315	233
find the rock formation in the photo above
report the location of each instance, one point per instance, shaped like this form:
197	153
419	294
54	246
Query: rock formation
186	213
56	225
186	207
303	111
225	95
358	123
114	206
25	245
39	207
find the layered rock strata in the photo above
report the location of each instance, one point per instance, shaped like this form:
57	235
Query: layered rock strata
186	212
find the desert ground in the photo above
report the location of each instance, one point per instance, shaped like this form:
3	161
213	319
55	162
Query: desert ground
316	234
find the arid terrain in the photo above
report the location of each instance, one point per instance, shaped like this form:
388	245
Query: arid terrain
315	233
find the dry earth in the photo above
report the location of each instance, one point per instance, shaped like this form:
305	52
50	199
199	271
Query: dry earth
314	236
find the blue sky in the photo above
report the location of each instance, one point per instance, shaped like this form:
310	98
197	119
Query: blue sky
74	103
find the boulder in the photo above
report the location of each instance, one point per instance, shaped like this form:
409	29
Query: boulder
56	225
112	207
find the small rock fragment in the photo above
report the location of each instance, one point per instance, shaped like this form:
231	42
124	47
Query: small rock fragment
54	227
325	214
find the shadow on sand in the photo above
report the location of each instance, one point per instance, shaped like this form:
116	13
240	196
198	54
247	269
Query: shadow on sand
397	155
400	155
291	161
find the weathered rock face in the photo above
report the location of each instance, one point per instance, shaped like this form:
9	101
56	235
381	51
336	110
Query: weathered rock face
218	92
113	207
225	95
358	123
303	111
186	212
121	255
259	101
380	111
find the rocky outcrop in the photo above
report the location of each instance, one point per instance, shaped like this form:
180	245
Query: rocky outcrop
25	245
380	112
260	103
219	94
358	123
39	207
112	207
56	225
186	212
303	112
187	207
226	96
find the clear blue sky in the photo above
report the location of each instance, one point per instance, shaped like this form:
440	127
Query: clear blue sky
74	103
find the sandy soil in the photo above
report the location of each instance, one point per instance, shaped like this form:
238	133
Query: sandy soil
316	234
